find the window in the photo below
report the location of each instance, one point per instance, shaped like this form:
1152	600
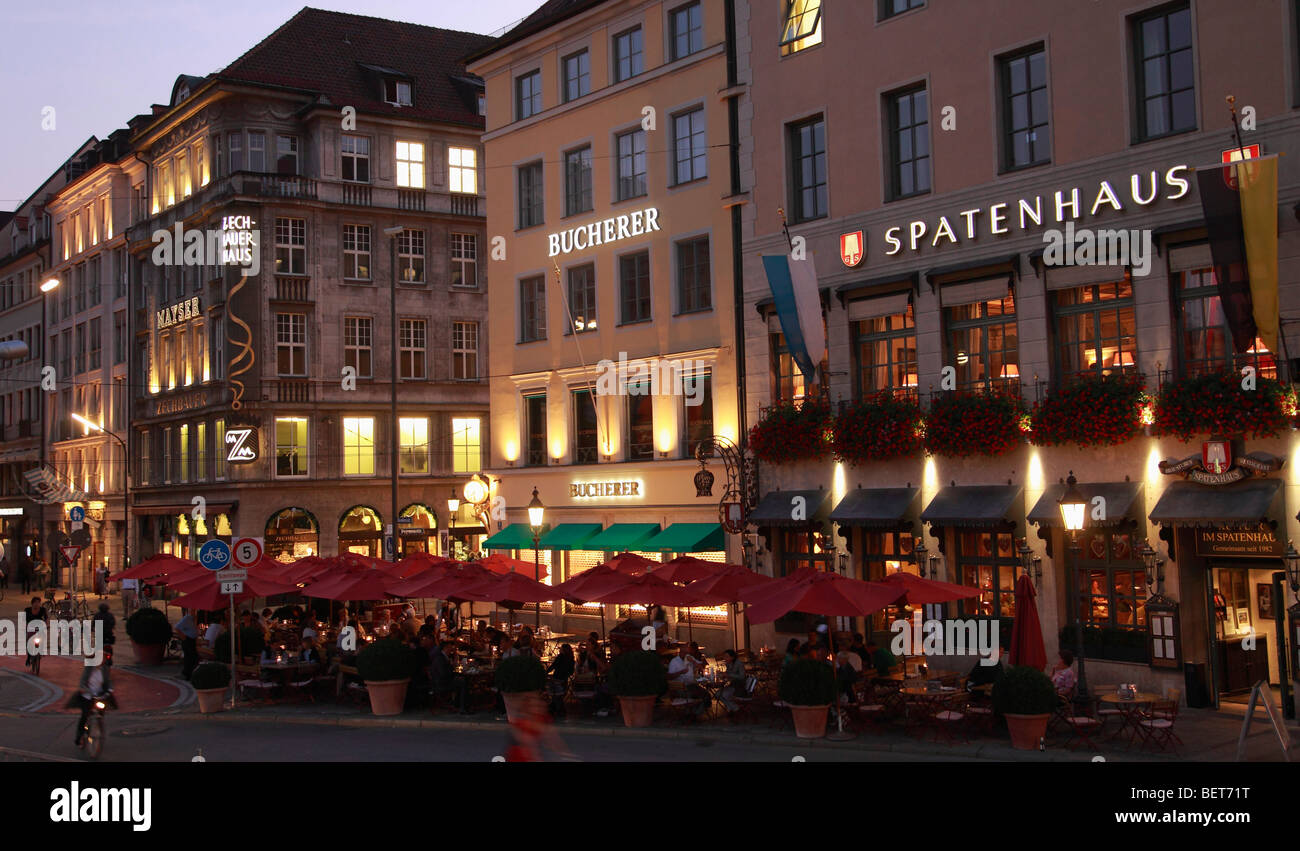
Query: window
410	165
787	377
1166	85
96	342
982	342
463	170
411	351
577	181
290	246
397	92
690	155
697	403
530	195
466	445
286	154
808	169
216	349
410	255
640	421
1026	136
256	151
290	446
358	446
582	298
528	95
1205	342
1095	329
167	448
694	288
535	428
291	344
356	252
532	309
634	287
414	445
184	453
685	31
909	143
356	158
357	342
464	260
119	337
585	437
575	75
628	57
81	348
79	285
631	165
885	351
219	456
464	351
1110	580
988	561
890	8
803	25
201	452
236	152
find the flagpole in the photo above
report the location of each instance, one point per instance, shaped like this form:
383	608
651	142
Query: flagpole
785	228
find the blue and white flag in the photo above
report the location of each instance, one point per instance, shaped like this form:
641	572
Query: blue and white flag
799	308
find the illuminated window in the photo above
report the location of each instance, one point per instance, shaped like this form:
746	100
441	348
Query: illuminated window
466	448
1096	328
803	25
1206	342
184	453
787	378
988	561
463	170
414	448
219	442
290	447
884	348
983	342
410	165
201	452
358	446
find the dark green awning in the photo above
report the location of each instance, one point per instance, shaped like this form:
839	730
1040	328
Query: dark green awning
623	537
1248	501
973	505
877	508
570	536
1120	497
516	536
775	508
688	538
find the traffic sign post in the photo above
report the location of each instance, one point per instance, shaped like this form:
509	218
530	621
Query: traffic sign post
70	552
232	587
215	555
247	552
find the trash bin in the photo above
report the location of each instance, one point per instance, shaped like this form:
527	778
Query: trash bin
1196	675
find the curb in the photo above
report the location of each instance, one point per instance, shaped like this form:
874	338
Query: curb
185	691
49	693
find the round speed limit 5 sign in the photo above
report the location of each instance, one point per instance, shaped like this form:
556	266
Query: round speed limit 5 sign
246	552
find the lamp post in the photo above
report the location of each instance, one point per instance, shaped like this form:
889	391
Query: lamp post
48	286
536	513
1073	508
392	234
126	485
1032	564
453	505
1154	564
1293	624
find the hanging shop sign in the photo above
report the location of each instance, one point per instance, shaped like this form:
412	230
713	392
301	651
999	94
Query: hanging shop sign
609	230
593	490
241	445
1215	465
1244	543
180	312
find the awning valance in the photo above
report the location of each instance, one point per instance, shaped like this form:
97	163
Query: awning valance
570	536
623	537
212	508
877	508
688	538
1247	501
777	508
1120	497
972	505
516	536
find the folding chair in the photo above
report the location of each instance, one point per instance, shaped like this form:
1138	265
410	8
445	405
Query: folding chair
582	688
1106	712
870	708
745	701
248	679
684	700
979	713
950	720
1157	726
1082	728
302	683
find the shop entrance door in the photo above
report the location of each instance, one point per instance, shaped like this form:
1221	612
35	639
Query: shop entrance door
1241	640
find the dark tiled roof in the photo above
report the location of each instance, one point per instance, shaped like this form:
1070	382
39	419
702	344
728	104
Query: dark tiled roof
549	13
327	53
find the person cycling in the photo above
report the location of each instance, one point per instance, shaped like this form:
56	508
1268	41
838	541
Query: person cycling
35	612
94	684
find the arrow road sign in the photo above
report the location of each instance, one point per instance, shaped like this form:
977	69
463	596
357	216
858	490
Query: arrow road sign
214	555
70	552
236	587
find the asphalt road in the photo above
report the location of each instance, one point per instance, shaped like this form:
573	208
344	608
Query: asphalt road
174	740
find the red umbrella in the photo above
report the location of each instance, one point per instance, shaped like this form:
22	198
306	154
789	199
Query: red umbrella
589	584
367	585
648	588
208	597
512	588
729	582
689	569
632	564
498	563
154	566
1026	630
918	591
809	590
452	584
414	564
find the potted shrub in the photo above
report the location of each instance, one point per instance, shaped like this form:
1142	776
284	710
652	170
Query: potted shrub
520	679
1025	697
637	678
149	631
210	680
808	687
386	667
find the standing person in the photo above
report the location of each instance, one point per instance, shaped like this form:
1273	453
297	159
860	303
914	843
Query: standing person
561	668
101	581
4	571
25	574
43	576
188	632
110	623
130	587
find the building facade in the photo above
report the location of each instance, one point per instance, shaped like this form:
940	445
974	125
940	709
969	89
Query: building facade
334	163
611	163
926	186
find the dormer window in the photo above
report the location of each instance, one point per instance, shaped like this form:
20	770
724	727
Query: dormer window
397	92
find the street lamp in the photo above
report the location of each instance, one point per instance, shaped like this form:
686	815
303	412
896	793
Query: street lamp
1032	563
1155	566
1293	567
1073	506
48	286
453	505
126	484
536	513
392	234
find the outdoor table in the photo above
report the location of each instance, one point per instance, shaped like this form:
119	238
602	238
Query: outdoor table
1130	707
928	703
283	673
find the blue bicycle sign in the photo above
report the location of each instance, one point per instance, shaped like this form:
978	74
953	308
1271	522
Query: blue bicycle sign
214	555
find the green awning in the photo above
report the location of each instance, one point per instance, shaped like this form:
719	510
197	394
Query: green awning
516	536
570	536
688	538
623	537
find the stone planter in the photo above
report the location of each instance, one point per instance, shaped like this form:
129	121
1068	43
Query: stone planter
810	721
211	699
387	697
148	654
637	711
1026	730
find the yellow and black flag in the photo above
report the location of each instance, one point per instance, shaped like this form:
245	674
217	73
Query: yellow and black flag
1240	205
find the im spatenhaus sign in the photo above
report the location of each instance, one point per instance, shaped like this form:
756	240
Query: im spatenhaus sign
1216	464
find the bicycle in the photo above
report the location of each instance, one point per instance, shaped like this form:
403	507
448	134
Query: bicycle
92	732
34	659
80	608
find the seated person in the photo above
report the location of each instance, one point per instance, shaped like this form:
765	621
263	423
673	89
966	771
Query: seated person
682	667
735	680
846	674
591	659
881	658
308	623
309	654
859	646
1063	675
793	651
442	676
560	669
981	674
660	623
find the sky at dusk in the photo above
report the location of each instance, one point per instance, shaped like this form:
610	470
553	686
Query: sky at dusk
99	63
